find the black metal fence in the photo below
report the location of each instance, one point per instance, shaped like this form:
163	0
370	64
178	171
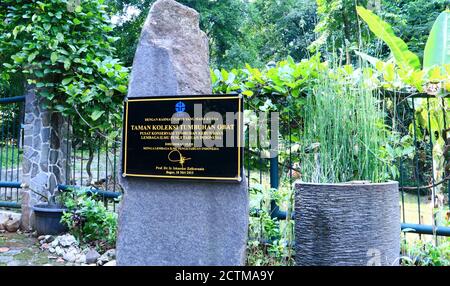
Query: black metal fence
94	166
11	139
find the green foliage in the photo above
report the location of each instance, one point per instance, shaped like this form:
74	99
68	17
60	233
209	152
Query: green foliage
66	54
239	31
420	253
221	20
89	220
338	27
437	49
344	135
384	31
280	28
270	240
411	20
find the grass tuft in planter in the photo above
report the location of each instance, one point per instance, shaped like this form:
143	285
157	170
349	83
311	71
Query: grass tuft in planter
347	209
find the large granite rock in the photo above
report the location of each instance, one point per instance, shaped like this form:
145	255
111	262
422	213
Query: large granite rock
172	57
173	222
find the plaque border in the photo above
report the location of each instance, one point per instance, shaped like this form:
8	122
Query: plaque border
240	170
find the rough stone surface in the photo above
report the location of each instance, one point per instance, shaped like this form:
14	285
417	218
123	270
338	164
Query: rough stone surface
347	224
12	225
44	154
6	215
106	257
172	52
170	222
91	256
9	221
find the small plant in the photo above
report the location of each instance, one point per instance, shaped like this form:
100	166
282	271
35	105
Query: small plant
420	253
89	220
345	136
56	199
270	240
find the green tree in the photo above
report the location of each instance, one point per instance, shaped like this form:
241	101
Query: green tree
338	27
221	20
65	52
412	20
282	28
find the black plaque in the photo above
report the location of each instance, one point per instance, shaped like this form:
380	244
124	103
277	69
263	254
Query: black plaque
151	124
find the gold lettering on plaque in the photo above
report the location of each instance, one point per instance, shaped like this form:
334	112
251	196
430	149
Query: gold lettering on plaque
181	159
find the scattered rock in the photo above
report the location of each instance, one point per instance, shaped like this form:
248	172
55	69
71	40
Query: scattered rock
45	246
12	224
51	249
80	259
91	256
67	240
2	227
4	249
70	256
107	257
6	215
60	260
45	239
111	263
55	243
59	251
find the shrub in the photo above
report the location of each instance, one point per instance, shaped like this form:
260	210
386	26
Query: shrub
65	52
89	220
420	253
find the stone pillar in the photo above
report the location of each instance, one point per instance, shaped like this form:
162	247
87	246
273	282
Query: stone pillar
44	154
174	222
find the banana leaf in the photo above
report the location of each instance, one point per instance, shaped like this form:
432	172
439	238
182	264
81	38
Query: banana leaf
403	56
437	49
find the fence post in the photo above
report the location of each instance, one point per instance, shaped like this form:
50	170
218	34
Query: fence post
44	154
274	184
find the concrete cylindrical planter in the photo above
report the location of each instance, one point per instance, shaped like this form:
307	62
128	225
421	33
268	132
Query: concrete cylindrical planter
347	224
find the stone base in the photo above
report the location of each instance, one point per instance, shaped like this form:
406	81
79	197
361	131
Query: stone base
182	223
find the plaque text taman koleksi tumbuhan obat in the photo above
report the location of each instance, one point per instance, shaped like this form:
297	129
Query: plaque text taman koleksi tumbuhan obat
188	138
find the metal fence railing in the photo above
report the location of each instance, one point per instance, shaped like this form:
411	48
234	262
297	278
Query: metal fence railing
424	187
11	139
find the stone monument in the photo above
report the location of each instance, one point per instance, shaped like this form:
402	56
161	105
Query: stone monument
165	222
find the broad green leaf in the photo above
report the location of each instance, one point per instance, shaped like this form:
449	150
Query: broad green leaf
437	49
54	57
67	64
403	56
66	81
32	56
97	114
122	88
248	93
